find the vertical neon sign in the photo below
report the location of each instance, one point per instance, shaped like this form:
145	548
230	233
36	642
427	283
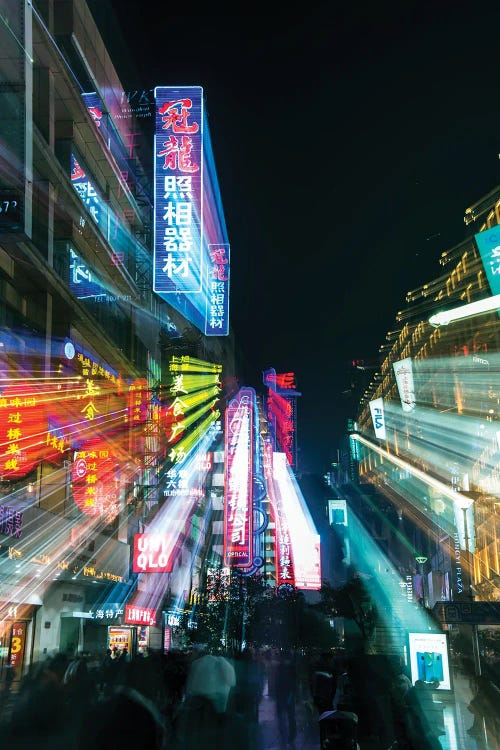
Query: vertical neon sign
217	313
178	190
238	488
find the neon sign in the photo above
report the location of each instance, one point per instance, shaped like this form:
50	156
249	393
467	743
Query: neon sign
195	388
139	615
178	189
238	486
217	314
94	481
23	431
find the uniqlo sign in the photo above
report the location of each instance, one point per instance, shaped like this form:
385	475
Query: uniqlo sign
152	553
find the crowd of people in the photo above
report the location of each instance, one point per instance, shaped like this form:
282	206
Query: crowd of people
190	699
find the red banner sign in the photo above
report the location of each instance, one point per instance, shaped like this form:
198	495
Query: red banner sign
139	615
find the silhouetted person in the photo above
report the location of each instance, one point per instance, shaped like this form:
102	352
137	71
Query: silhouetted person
284	691
206	719
484	708
39	717
122	720
423	727
249	686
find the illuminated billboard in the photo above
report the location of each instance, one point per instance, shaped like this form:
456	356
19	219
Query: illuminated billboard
429	659
281	408
178	190
337	512
153	553
139	615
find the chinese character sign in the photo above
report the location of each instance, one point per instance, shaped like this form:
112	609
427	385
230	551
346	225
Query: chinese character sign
17	644
97	112
139	615
238	513
94	480
82	279
217	315
178	189
86	190
23	430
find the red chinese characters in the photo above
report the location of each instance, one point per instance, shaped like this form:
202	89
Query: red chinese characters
94	480
23	430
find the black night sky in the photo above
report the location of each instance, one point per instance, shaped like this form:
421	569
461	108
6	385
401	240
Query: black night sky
349	140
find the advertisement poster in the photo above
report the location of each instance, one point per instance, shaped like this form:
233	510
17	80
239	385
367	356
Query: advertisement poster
429	659
121	638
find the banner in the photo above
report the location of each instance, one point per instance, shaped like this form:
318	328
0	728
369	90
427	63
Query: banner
403	371
378	418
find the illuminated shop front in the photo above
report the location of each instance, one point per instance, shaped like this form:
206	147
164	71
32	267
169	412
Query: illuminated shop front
16	633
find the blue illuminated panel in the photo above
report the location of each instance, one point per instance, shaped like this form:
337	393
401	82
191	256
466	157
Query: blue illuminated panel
488	243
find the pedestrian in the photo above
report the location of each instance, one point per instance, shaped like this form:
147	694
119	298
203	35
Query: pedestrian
206	718
284	691
484	708
423	723
211	676
78	686
343	700
249	687
322	683
123	720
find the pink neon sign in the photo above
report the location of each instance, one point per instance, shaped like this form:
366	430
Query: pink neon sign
238	515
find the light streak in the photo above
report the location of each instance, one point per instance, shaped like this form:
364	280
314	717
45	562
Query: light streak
489	304
457	497
304	538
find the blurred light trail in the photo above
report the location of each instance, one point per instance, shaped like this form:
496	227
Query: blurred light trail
390	592
304	539
457	497
489	304
171	520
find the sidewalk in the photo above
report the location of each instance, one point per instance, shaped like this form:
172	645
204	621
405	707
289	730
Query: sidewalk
457	719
